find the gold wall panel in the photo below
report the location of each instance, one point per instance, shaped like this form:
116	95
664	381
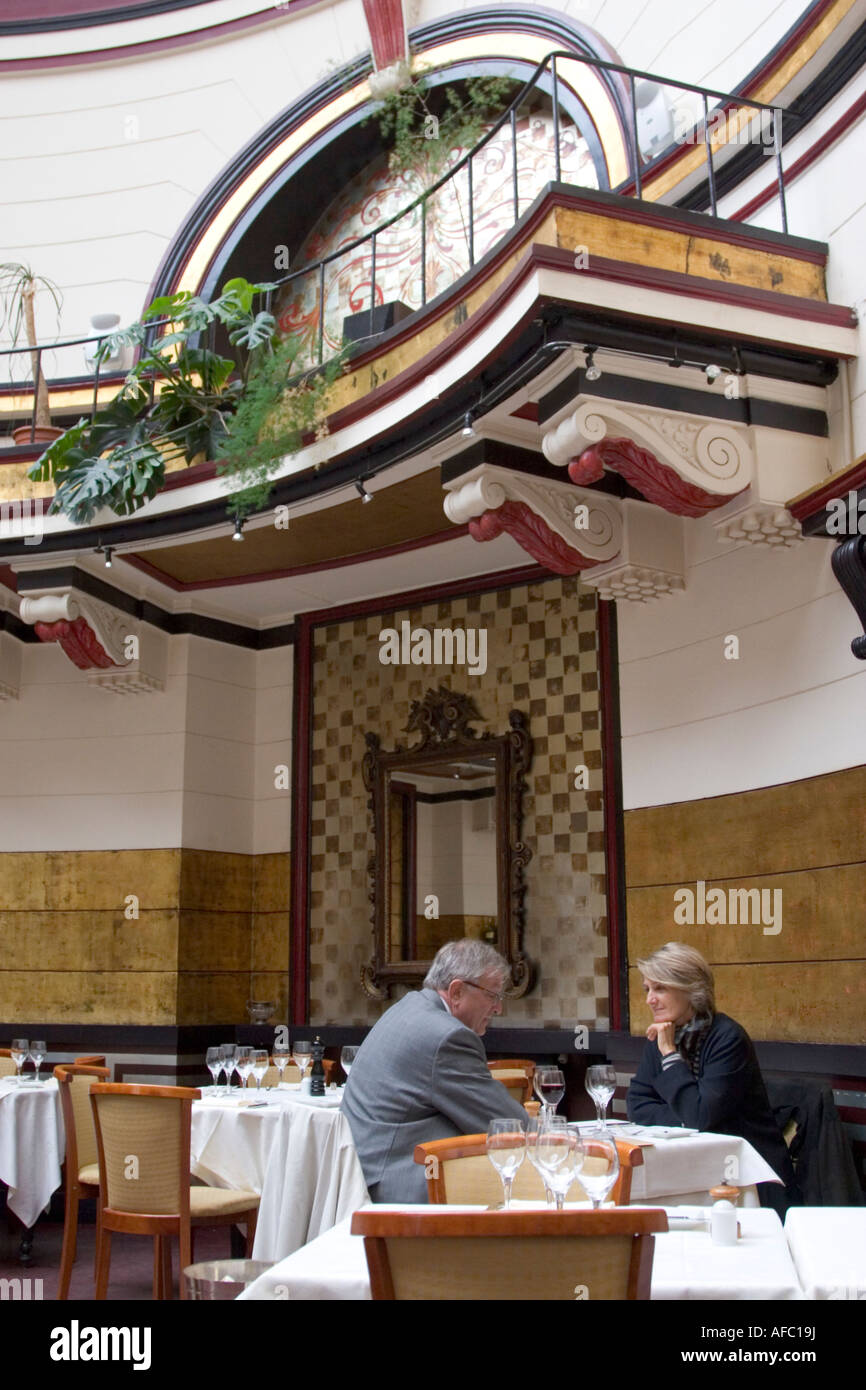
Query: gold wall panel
806	983
812	823
823	912
788	1001
668	249
96	996
68	952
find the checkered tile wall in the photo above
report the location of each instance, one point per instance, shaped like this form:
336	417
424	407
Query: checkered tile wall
542	658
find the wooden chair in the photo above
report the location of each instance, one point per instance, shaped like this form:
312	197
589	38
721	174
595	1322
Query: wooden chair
507	1255
81	1164
143	1140
7	1066
95	1061
458	1171
516	1082
523	1064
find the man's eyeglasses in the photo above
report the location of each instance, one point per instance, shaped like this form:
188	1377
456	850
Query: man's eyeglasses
498	998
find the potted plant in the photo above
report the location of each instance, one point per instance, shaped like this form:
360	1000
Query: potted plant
18	289
183	402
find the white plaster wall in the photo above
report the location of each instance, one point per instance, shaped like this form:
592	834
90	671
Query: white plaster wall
273	748
107	159
695	724
191	766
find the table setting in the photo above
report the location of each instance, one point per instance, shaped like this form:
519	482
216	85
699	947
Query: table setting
32	1138
292	1147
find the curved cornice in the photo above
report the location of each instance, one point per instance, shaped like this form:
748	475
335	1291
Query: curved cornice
458	45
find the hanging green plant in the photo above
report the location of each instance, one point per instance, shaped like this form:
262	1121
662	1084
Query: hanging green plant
429	127
186	402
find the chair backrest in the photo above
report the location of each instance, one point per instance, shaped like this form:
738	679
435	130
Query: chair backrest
458	1171
74	1082
143	1138
7	1066
511	1255
524	1064
97	1060
516	1082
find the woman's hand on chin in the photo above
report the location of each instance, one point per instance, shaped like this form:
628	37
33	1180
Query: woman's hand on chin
663	1035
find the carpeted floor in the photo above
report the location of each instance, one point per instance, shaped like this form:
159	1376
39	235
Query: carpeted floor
131	1261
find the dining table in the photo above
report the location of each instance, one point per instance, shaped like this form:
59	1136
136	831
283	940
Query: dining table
32	1148
686	1265
828	1247
295	1150
680	1166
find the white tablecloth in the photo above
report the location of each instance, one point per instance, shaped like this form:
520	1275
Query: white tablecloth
828	1246
686	1169
686	1265
32	1145
298	1154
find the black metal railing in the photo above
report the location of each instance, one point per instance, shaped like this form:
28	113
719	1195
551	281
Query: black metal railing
731	110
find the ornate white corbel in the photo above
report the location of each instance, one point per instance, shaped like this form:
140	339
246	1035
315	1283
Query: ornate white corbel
651	563
565	526
707	455
98	638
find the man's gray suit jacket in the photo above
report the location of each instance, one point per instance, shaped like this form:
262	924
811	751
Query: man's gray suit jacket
419	1075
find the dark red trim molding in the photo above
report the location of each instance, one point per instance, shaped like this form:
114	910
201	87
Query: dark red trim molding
614	837
822	144
850	480
270	15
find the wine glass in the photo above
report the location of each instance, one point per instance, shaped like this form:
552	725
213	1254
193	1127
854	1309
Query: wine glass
302	1053
228	1053
214	1063
280	1059
18	1051
260	1060
600	1165
550	1087
601	1083
558	1157
506	1149
347	1057
534	1126
244	1064
37	1055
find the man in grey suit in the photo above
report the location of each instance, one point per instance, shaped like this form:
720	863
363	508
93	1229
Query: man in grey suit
422	1074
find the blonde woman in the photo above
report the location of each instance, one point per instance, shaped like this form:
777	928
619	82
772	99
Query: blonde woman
699	1067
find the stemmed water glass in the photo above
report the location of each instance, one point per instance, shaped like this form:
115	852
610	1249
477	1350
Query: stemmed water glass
506	1149
244	1064
301	1055
601	1083
260	1060
347	1057
600	1165
37	1055
558	1157
534	1126
550	1088
228	1053
280	1059
214	1063
18	1051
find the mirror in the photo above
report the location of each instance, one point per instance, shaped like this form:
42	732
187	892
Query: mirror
447	860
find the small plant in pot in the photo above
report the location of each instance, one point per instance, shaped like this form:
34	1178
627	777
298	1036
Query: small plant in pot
18	290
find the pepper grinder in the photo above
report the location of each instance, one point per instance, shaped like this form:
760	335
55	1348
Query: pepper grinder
317	1071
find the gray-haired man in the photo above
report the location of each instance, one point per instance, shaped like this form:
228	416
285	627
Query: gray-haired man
422	1073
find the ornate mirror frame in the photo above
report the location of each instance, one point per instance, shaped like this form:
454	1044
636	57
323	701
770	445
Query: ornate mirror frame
442	719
